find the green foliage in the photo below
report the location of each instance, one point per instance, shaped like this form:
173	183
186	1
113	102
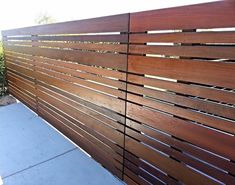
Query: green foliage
44	18
2	71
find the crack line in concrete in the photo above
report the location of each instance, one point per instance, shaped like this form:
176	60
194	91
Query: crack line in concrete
40	163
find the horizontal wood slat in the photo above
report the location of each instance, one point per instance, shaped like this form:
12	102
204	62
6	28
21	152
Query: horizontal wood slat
185	37
180	96
73	74
186	51
116	23
186	70
84	57
208	15
123	38
149	95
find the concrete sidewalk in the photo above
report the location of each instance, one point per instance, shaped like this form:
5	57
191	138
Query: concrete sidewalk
33	153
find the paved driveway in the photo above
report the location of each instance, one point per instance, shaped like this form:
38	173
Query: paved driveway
33	153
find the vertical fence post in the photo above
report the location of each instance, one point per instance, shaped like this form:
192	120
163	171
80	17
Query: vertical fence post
124	143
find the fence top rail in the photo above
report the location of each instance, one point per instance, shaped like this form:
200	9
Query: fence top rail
200	16
204	16
114	23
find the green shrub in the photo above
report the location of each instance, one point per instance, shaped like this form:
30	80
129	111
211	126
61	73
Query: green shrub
2	71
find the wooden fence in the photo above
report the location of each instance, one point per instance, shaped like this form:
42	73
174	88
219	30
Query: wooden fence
149	95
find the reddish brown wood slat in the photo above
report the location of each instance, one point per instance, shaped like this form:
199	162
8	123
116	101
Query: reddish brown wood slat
167	164
22	84
86	111
223	52
179	81
22	96
83	83
88	58
208	15
186	70
207	139
89	95
166	119
44	67
64	125
89	69
73	45
123	38
186	89
89	105
119	23
18	68
205	119
149	169
185	37
186	147
205	168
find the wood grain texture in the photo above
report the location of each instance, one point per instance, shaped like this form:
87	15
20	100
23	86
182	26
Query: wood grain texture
186	70
119	23
208	15
149	95
185	37
84	57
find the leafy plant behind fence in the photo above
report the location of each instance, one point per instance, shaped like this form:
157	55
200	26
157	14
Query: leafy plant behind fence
2	73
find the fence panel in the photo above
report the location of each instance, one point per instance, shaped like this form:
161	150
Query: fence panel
73	74
180	110
149	95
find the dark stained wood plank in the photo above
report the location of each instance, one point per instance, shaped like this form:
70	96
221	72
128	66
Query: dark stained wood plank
123	38
129	181
115	23
83	118
208	139
89	105
22	96
186	70
214	52
208	15
85	131
89	95
81	75
167	164
183	146
64	126
18	68
141	174
89	69
150	169
205	119
185	37
136	178
88	58
187	102
185	89
81	107
76	45
21	83
102	88
184	158
18	55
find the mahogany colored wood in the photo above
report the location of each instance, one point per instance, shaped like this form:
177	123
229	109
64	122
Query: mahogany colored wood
149	95
115	23
185	37
204	16
84	57
211	73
